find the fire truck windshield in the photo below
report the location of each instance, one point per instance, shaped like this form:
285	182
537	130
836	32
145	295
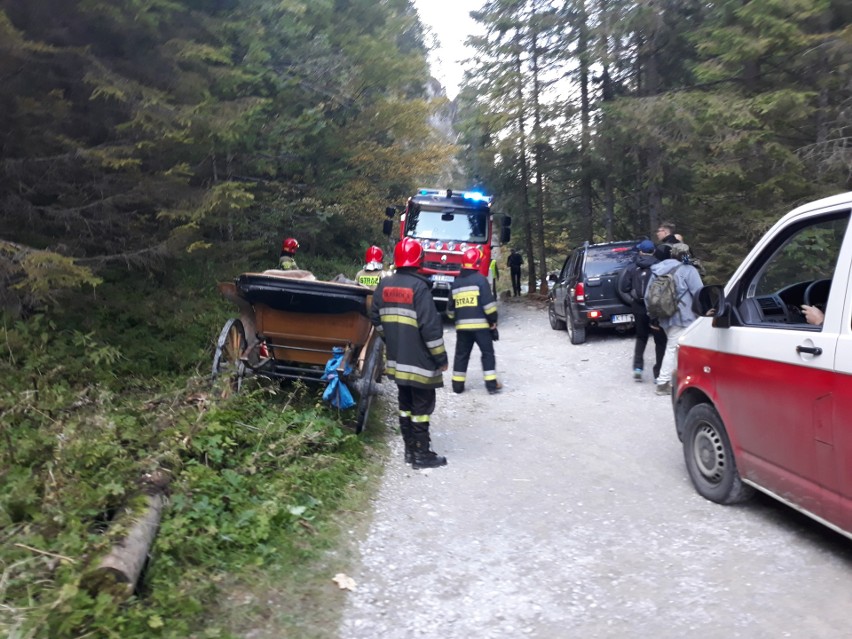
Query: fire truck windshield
442	223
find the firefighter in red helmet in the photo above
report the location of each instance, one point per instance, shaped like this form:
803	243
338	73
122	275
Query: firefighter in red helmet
471	305
404	314
287	260
373	270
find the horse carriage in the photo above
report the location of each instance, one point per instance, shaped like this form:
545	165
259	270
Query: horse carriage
291	326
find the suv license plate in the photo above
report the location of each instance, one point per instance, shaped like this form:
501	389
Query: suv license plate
622	319
442	278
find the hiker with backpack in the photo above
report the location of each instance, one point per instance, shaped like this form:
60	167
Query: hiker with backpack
668	300
635	282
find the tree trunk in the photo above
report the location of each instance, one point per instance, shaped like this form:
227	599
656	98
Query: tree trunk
583	56
539	173
525	180
119	571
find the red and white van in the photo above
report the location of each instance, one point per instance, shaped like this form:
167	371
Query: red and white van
763	398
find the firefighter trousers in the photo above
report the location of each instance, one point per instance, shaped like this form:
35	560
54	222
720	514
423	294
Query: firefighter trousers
415	406
464	346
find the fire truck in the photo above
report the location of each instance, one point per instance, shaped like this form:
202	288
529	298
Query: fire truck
448	222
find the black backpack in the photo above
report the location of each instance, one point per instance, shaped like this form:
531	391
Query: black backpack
639	282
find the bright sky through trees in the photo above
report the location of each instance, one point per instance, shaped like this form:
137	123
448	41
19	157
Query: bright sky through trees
451	24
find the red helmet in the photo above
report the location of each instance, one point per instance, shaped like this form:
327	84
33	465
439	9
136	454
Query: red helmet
290	245
472	258
374	254
408	252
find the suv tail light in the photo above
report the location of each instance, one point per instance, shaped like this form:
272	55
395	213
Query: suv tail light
580	292
594	315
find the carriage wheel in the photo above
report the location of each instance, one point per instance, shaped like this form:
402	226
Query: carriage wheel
228	369
370	375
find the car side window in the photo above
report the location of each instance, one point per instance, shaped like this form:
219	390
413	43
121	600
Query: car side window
795	269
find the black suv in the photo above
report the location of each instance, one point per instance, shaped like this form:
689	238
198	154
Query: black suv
586	291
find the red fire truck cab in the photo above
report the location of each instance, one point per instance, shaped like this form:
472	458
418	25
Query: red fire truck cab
448	222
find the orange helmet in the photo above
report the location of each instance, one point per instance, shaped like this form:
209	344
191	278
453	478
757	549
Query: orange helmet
408	252
472	258
290	245
374	254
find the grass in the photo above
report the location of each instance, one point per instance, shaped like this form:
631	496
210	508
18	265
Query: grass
263	488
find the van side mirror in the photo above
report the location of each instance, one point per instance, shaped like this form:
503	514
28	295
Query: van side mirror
710	302
390	212
387	227
505	229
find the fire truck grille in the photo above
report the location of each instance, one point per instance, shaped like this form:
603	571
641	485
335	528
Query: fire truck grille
439	266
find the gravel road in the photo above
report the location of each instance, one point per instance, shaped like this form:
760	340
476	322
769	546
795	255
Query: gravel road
565	511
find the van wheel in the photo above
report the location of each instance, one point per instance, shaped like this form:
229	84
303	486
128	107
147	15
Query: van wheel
577	334
710	458
555	323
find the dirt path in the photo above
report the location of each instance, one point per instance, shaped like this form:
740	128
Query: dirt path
565	511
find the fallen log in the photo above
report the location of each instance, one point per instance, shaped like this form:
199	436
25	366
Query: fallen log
118	572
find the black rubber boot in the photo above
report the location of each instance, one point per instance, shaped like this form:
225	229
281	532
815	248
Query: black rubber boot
424	456
408	440
458	387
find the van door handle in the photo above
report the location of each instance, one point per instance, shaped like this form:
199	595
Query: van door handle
812	350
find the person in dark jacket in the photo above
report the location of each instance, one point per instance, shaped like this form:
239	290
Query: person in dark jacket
514	263
404	314
471	305
666	237
635	281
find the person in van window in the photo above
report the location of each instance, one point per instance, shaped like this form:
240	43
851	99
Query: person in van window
813	315
635	279
666	237
687	283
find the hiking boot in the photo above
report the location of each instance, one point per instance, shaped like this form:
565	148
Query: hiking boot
637	374
664	389
424	456
428	459
496	388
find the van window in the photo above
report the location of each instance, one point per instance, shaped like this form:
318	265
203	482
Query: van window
796	271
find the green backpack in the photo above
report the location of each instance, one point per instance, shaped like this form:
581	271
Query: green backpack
661	298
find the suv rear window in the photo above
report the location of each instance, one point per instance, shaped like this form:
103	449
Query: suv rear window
607	260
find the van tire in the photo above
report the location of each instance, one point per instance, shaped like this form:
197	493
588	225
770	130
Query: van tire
710	459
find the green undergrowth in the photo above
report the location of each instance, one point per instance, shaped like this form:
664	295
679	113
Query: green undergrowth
255	483
110	398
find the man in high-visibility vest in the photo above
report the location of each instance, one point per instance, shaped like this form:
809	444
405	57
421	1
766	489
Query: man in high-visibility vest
373	270
472	307
287	260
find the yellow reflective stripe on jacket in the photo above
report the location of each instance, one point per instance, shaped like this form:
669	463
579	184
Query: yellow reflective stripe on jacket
471	325
414	377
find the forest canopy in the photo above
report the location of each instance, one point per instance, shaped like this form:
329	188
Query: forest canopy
135	131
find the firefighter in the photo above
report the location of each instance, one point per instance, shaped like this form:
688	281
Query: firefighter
287	261
474	310
404	314
373	270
